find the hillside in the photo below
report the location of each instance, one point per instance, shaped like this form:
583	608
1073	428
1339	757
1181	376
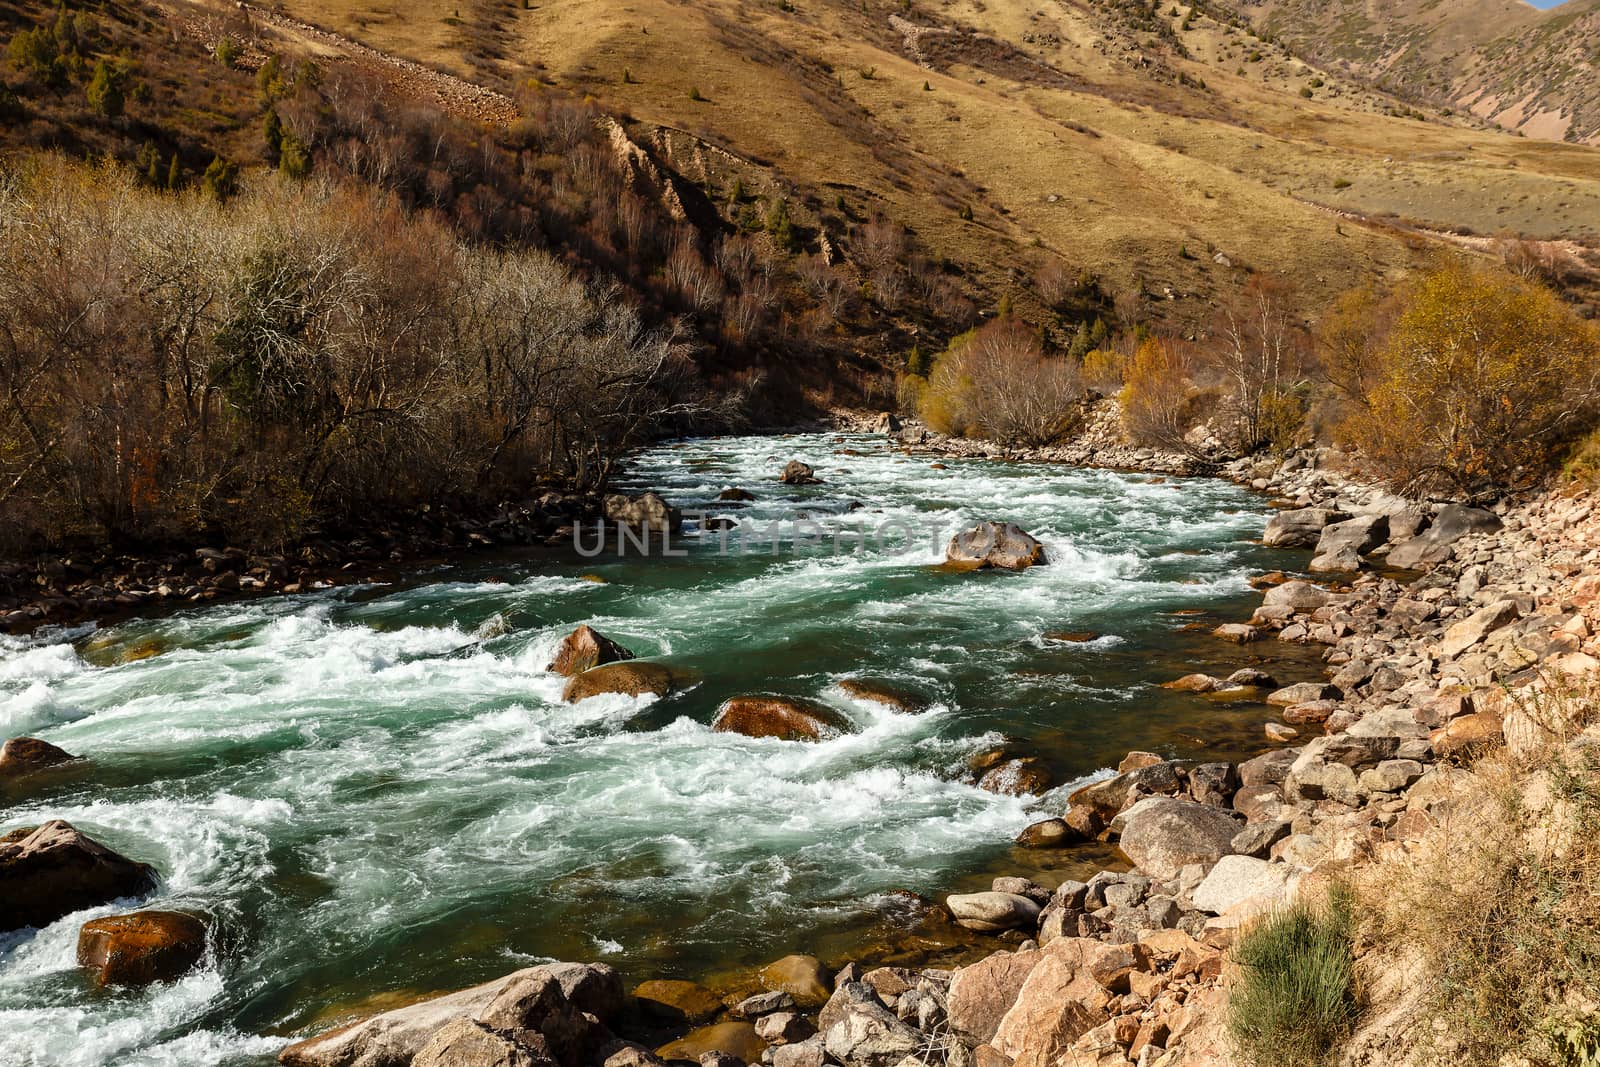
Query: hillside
1166	151
1534	72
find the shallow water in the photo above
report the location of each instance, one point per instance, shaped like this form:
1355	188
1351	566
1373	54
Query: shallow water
376	792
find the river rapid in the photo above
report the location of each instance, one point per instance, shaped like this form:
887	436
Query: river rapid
375	791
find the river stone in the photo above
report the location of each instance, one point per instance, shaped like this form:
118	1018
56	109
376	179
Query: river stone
735	493
1299	527
1107	798
733	1038
1048	833
1298	596
1391	776
677	1001
584	648
1475	627
992	912
25	755
891	697
753	1007
1193	683
1236	879
1278	733
467	1043
141	947
788	718
1059	1002
808	1053
1269	768
1257	838
633	678
1341	560
1356	536
1437	543
993	544
857	1029
1162	835
981	993
648	511
802	977
55	870
1302	693
783	1028
1023	776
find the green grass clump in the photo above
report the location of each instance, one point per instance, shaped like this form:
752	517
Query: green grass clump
1295	1000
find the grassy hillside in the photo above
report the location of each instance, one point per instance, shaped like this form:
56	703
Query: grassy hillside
1535	72
1162	149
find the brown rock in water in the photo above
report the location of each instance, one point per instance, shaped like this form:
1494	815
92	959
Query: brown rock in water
1071	637
736	493
678	1001
632	678
880	693
1006	546
647	511
802	977
141	947
1193	683
734	1038
585	648
1049	833
56	870
25	755
788	718
1024	776
797	473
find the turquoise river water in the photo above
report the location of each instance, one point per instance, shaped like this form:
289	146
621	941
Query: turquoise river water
375	790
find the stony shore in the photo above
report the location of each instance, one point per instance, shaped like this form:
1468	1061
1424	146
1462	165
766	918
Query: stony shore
1435	622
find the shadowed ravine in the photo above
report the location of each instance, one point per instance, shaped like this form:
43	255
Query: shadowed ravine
377	790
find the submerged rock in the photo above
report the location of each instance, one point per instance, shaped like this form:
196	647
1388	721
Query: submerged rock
55	870
1023	776
882	693
25	755
788	718
1006	546
630	678
733	1038
677	1001
584	648
802	977
141	947
736	494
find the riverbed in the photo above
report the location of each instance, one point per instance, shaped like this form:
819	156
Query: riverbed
376	792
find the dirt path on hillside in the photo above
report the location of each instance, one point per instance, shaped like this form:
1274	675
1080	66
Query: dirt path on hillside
457	96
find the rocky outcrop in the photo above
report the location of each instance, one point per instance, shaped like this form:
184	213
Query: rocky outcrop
54	870
141	947
633	678
585	648
1005	546
1437	543
788	718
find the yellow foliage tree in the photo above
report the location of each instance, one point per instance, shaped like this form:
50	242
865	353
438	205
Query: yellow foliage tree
1155	393
1476	384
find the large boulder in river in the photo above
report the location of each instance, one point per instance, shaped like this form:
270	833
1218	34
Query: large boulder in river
992	912
468	1043
892	697
797	473
584	648
1163	835
1018	777
549	999
1300	527
631	678
802	977
55	870
141	947
995	544
648	511
788	718
1437	543
25	755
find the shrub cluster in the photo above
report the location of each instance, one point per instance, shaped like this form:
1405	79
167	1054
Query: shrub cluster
173	366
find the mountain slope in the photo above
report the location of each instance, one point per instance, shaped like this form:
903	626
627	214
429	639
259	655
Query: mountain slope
1526	70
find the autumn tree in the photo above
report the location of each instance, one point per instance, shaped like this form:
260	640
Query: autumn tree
1155	393
1260	350
1475	384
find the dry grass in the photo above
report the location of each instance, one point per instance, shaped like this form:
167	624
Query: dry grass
1499	905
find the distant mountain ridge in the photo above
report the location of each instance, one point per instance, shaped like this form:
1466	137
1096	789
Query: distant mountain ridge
1535	72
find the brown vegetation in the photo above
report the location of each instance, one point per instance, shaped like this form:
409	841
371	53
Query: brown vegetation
996	382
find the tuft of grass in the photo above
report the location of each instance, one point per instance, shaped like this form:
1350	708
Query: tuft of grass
1295	1000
